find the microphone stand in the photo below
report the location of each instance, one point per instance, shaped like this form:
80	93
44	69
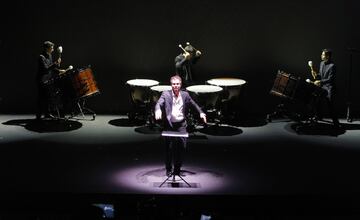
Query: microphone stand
348	110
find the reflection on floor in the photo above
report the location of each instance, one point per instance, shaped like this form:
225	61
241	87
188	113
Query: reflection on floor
111	160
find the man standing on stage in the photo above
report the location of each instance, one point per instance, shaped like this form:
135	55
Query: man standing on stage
47	70
174	105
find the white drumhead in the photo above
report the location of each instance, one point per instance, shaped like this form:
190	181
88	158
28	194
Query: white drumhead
204	88
160	88
226	82
142	82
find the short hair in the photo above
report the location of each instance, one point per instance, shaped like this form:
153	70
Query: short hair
189	49
176	77
48	44
328	52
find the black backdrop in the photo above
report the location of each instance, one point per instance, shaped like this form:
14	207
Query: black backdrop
124	40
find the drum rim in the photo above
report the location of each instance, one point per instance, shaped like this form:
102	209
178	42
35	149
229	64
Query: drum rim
155	82
158	86
89	94
213	86
226	78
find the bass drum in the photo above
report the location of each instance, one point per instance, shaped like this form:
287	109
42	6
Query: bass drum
296	89
84	83
285	85
302	97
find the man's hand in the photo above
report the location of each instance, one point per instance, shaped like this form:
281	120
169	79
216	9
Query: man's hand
198	53
58	61
158	114
317	82
62	71
187	55
203	117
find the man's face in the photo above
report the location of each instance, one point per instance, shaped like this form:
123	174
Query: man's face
176	85
50	49
324	57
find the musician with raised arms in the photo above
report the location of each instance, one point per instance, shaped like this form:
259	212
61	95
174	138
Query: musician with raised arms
48	70
184	62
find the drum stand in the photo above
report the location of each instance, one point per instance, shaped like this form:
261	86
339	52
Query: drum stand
282	111
82	110
54	104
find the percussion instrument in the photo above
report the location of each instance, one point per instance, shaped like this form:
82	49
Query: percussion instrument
295	89
285	85
157	90
205	95
140	90
231	87
84	83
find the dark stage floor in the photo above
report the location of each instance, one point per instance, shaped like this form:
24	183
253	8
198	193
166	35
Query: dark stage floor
110	160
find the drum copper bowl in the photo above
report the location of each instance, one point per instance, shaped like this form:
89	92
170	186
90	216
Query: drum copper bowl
157	90
140	90
232	86
205	95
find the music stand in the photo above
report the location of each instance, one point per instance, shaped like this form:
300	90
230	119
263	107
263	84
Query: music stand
174	134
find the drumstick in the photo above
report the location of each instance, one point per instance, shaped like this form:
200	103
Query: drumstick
182	48
188	44
310	63
59	50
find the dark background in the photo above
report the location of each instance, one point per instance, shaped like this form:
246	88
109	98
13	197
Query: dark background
250	40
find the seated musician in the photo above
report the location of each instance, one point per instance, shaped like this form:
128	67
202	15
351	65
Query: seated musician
47	92
325	78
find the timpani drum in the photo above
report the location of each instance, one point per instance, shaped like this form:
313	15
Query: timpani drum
205	95
231	87
140	90
157	90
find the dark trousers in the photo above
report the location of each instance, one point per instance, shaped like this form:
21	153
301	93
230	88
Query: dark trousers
328	101
49	100
42	102
175	147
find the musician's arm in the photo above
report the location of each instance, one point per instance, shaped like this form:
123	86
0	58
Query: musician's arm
331	76
60	71
314	74
179	61
48	66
